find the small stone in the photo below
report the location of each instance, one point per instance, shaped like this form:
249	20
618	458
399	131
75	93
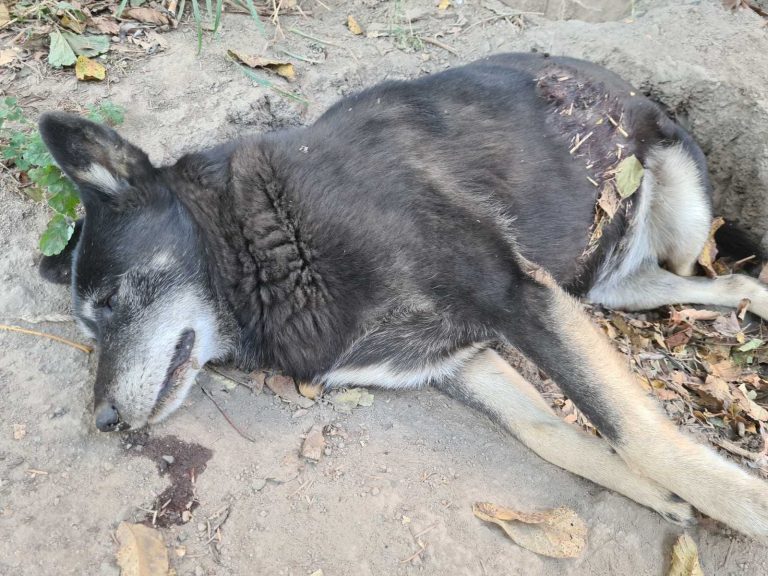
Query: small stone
375	491
200	527
263	513
186	516
327	451
169	459
258	484
341	444
108	466
108	569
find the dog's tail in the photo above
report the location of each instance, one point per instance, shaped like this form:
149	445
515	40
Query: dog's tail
736	243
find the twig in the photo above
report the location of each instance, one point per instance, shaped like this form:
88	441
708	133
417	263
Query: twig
738	450
439	44
316	39
298	57
501	17
81	347
227	418
418	552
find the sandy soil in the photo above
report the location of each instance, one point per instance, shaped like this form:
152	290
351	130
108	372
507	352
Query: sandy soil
411	464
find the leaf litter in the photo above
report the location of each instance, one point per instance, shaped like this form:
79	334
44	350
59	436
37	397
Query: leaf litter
142	551
685	558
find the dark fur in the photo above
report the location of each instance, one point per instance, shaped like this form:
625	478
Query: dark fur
401	215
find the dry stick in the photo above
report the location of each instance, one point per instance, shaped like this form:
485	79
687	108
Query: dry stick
243	434
316	39
81	347
439	44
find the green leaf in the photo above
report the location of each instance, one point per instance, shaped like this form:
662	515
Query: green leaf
35	151
56	235
65	202
106	112
60	53
751	345
629	173
89	46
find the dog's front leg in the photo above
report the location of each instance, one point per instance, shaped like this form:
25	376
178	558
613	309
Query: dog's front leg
488	383
551	329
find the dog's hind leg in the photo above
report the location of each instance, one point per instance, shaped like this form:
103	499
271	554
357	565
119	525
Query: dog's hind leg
551	329
491	385
651	286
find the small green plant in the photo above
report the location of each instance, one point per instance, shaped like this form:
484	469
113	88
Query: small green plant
22	149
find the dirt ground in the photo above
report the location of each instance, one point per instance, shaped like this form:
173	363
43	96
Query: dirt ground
409	467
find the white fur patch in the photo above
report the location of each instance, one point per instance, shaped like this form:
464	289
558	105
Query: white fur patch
387	375
101	178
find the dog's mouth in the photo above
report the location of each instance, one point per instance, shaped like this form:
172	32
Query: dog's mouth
180	362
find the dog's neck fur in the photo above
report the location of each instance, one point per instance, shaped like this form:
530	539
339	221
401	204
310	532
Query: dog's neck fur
259	259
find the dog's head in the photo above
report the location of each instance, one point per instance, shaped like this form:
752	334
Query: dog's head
139	283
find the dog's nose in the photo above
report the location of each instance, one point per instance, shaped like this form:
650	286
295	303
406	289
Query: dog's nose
107	417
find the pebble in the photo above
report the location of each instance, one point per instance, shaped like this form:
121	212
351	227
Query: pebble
200	527
263	513
108	569
169	459
258	484
375	491
327	451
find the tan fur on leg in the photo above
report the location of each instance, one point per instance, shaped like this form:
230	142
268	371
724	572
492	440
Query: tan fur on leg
488	382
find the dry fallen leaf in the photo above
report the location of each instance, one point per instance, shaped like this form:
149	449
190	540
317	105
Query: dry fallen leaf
5	17
345	401
629	174
87	69
285	388
709	252
311	391
750	407
104	25
444	4
148	16
685	558
7	56
142	551
690	315
314	443
354	25
726	370
557	533
284	69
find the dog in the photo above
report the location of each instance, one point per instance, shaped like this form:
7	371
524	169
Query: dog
400	236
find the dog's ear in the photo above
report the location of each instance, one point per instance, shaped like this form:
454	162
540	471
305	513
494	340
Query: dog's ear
102	164
58	268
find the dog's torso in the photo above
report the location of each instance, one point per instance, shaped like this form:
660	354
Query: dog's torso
389	232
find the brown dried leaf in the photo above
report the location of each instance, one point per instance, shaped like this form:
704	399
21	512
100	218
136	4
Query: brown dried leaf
750	407
354	25
679	338
609	199
557	533
284	69
76	26
726	370
104	25
718	389
311	391
444	4
285	388
690	315
685	558
5	16
7	56
148	16
314	443
142	551
87	69
709	252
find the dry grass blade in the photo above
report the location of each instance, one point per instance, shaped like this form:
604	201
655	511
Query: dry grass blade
81	347
685	558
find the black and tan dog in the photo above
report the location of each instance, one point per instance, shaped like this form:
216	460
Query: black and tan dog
393	241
